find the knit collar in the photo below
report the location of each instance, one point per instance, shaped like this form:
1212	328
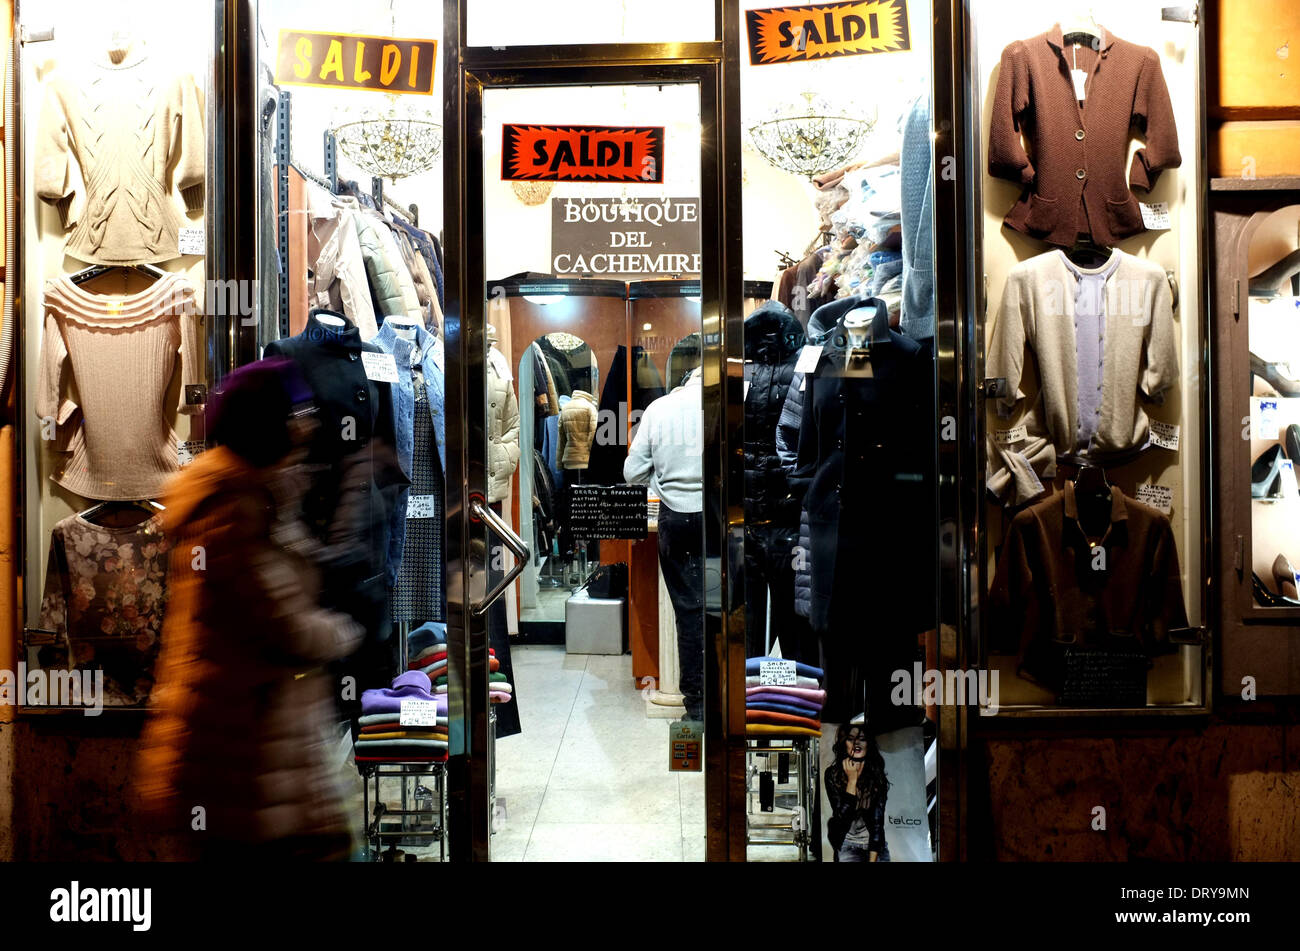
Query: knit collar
170	295
1057	39
1116	532
1104	272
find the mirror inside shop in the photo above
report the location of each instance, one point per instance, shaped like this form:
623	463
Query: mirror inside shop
311	563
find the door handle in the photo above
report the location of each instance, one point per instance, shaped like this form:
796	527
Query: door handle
512	541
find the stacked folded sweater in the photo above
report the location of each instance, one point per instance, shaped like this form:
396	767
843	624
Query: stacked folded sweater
381	738
783	710
429	656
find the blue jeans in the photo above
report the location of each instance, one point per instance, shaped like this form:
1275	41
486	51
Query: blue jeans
859	853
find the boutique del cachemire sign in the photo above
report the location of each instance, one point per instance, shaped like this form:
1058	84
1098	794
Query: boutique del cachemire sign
349	61
611	236
582	153
794	34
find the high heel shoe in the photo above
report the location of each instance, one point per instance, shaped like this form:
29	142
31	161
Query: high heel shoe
1284	576
1266	597
1266	474
1281	376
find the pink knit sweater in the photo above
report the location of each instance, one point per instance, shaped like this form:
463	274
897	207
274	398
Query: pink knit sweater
115	440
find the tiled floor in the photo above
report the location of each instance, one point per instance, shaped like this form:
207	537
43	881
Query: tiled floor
588	779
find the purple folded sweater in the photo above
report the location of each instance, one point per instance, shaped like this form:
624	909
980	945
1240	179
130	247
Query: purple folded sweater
411	685
786	699
802	693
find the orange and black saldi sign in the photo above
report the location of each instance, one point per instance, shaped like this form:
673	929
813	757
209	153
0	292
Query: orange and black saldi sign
582	153
797	34
349	61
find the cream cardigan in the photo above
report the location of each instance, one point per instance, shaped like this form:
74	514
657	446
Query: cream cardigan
1139	363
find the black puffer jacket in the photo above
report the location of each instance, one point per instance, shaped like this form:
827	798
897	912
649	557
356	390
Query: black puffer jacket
773	339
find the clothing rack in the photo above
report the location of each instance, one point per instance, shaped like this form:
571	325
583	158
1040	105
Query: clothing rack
410	212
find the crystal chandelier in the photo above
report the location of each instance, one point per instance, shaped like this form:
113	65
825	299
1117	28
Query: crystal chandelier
532	193
400	142
811	138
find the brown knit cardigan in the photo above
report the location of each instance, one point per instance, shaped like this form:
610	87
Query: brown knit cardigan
1073	172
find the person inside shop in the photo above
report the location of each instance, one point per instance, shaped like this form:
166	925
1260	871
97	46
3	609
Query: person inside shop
857	788
667	453
234	752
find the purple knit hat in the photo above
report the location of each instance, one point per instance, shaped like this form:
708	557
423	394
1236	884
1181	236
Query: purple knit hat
250	409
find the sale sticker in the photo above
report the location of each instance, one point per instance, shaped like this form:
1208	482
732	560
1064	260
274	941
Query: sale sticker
795	34
582	153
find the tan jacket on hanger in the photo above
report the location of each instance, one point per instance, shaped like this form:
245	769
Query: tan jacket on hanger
502	423
577	430
336	281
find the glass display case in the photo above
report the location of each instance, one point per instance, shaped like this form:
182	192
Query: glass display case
114	135
1093	380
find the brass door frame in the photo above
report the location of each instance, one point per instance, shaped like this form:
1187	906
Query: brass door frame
467	72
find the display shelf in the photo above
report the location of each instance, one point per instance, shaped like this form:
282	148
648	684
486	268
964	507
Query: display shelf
1283	183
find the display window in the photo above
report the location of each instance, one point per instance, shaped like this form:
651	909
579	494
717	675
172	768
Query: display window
840	434
1093	376
114	131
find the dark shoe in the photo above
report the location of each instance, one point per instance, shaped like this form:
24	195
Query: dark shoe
1280	376
1266	597
1266	474
1284	576
1291	440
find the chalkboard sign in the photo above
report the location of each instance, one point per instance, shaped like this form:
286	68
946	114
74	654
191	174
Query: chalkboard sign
1102	677
607	511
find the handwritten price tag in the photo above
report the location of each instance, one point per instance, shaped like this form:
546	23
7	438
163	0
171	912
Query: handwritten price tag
1155	215
420	506
777	673
1164	435
1157	496
418	713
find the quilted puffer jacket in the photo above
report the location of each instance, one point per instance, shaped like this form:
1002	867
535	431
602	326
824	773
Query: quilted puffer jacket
390	281
502	422
773	339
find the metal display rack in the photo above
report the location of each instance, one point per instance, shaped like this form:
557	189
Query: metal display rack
793	816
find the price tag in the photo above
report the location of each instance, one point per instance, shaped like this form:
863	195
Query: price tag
746	396
418	713
380	367
1155	215
1164	435
191	241
1268	425
777	673
1080	79
1008	437
1157	496
186	451
808	358
420	506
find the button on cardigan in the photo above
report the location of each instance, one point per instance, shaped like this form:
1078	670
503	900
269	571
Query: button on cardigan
1073	172
1136	354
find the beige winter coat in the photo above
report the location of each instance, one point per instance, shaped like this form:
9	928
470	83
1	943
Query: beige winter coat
502	425
577	430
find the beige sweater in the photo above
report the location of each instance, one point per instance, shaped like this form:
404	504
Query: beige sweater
1139	362
115	440
112	143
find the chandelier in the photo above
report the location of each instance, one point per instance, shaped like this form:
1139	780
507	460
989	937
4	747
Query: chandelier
400	142
810	139
532	193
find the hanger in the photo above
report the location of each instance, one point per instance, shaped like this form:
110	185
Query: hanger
1086	252
784	260
146	505
1082	24
95	270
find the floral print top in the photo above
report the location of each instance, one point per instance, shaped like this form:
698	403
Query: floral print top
105	590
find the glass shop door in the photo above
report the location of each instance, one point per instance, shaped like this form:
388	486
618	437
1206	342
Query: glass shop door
579	563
